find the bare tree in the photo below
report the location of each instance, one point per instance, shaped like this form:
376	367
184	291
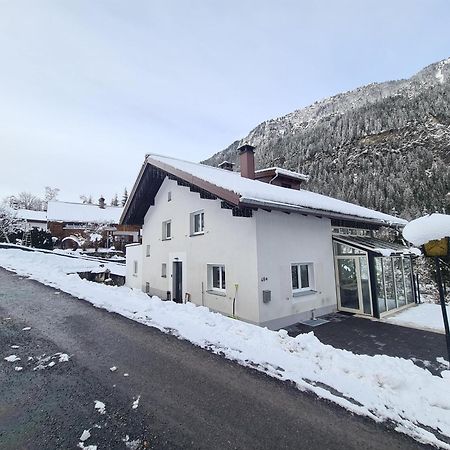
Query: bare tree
50	193
25	200
9	222
86	199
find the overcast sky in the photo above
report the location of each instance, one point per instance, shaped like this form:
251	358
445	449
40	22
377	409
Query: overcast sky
87	87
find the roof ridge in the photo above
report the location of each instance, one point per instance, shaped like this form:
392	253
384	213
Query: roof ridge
149	155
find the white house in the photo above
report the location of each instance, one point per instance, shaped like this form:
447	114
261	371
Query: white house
253	245
32	219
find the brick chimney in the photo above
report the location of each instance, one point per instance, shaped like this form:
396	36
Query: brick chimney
101	202
247	161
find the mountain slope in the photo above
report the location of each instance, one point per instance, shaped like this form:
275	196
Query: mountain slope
384	145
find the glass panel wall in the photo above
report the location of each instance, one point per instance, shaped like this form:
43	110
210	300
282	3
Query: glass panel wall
365	285
379	278
399	283
407	269
391	302
393	276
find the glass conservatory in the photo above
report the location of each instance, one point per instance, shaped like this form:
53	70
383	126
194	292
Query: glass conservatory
373	276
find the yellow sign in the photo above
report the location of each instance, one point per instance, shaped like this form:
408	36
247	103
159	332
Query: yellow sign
437	247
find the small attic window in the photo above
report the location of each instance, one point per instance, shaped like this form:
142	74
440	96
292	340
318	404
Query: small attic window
169	196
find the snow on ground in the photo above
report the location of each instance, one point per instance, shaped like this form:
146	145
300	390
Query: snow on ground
136	402
100	406
424	316
380	387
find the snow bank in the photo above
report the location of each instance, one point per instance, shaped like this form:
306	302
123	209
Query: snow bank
380	387
425	315
427	228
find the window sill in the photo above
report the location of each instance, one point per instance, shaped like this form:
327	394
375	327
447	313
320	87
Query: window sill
219	293
167	239
200	233
302	293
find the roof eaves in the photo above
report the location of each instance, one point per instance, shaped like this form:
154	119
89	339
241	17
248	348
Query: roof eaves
250	202
133	191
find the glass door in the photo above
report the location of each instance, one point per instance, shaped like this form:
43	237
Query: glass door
352	273
347	271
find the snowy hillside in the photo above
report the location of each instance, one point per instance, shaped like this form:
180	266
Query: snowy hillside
384	145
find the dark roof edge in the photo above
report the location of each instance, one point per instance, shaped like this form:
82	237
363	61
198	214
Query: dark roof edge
133	191
316	212
225	194
218	191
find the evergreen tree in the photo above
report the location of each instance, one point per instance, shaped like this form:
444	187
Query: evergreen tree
115	201
124	197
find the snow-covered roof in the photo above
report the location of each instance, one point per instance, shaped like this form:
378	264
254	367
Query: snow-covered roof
427	228
82	213
286	173
255	193
379	246
33	216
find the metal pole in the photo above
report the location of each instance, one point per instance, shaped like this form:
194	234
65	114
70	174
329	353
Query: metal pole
418	289
444	309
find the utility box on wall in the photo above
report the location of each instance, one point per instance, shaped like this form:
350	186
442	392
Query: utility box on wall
267	296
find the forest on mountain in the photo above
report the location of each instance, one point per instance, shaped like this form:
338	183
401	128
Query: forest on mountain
385	146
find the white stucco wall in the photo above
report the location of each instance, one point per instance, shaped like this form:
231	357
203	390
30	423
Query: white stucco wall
227	240
133	252
257	253
285	239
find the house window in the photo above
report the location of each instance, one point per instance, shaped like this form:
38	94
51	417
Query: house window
147	250
197	222
135	267
167	230
147	287
164	270
302	277
169	196
216	277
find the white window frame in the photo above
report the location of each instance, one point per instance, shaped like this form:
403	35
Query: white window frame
165	235
311	280
163	270
201	214
169	196
147	250
135	267
222	278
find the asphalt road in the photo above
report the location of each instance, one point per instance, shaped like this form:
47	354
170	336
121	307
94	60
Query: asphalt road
189	398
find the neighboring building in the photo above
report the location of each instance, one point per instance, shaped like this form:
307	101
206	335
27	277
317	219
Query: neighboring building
264	253
33	219
70	222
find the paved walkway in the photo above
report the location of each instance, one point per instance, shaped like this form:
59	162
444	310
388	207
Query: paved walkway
372	337
189	397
